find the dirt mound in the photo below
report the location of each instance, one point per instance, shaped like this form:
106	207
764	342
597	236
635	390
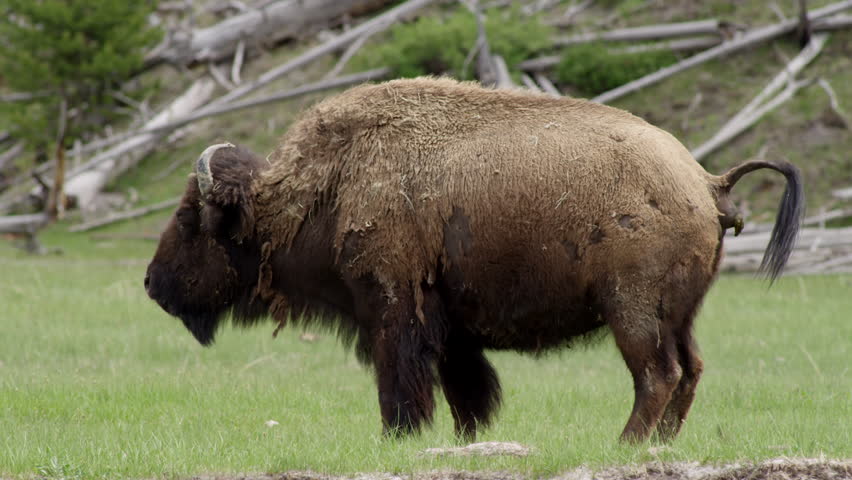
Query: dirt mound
776	469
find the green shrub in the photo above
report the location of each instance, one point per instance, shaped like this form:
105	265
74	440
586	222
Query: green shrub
594	68
72	51
434	44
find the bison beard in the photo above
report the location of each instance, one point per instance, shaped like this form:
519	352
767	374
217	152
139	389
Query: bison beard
202	327
428	220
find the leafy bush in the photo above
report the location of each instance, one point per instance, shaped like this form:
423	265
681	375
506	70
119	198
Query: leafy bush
434	44
594	68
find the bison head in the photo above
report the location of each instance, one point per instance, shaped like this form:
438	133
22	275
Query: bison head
207	261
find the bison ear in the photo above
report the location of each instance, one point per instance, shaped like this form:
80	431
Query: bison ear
225	176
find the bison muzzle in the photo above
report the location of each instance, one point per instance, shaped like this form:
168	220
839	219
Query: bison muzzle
427	220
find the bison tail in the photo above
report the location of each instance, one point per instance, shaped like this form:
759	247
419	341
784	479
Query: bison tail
789	217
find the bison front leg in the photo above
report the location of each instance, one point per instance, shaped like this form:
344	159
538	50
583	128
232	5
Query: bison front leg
404	359
470	385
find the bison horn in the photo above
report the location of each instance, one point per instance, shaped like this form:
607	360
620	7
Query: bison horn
202	168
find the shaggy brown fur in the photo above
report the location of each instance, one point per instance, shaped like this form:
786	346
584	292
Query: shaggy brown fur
430	219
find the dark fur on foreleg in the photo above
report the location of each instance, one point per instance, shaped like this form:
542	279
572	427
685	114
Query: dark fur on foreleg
470	385
404	354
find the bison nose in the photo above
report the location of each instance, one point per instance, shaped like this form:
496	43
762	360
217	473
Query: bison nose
147	281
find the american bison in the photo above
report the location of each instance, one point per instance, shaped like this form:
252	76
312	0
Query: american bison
427	220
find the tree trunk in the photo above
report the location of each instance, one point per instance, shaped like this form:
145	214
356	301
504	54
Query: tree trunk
56	199
270	24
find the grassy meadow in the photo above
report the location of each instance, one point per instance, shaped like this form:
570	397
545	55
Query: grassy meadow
97	382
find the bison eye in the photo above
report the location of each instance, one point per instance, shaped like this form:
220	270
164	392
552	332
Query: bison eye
186	218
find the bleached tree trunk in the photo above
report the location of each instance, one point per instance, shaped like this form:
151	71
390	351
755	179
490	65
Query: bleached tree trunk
22	223
644	33
272	23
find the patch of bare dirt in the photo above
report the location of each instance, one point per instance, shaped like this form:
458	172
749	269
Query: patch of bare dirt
776	469
483	449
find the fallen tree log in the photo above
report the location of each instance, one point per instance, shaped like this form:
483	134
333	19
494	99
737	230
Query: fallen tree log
151	237
647	32
842	193
819	220
809	239
23	224
836	22
826	265
119	217
689	44
749	39
682	45
272	23
750	262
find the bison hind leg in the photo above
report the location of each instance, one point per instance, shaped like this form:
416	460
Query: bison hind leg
635	315
683	395
470	385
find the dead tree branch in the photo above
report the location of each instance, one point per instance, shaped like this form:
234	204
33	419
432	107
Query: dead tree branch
486	69
567	18
833	102
119	217
530	83
731	131
11	154
348	54
547	85
752	112
238	63
504	79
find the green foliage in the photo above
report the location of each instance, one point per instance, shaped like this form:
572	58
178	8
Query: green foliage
436	45
594	68
56	470
79	50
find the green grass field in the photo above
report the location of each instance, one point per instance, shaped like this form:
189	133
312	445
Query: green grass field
97	382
